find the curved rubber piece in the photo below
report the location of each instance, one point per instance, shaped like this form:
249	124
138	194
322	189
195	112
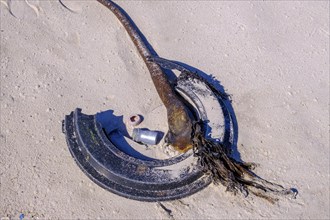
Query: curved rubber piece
127	176
140	179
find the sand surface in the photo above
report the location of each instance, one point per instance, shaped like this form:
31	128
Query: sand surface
272	57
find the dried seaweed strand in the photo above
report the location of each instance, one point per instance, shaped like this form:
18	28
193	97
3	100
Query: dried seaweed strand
236	176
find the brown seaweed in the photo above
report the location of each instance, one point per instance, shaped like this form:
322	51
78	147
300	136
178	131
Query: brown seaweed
236	176
179	122
185	134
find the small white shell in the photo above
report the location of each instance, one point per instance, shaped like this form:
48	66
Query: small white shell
134	120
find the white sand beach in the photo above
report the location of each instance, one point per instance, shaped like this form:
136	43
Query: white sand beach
272	57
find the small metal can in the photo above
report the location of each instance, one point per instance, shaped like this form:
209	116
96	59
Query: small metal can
145	136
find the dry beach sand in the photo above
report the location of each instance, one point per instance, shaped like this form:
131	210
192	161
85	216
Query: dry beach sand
272	57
